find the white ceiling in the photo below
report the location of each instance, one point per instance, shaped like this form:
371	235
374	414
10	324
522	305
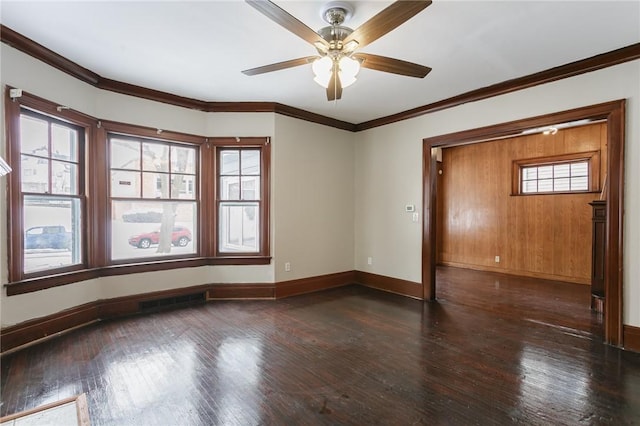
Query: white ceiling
198	49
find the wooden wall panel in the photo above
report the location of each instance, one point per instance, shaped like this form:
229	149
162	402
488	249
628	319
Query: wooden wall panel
547	236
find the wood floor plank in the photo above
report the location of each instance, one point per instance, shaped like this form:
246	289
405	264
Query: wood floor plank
493	349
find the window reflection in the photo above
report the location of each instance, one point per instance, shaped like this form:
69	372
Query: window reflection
239	371
151	379
554	379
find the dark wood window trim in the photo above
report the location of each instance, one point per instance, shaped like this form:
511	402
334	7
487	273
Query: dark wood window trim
136	134
592	157
264	145
97	251
15	240
79	196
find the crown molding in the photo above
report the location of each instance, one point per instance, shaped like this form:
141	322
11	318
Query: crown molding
37	51
604	60
149	94
49	57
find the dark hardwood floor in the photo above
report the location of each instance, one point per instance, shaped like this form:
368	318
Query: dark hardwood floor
493	350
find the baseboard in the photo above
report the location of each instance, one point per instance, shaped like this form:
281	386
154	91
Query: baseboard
130	305
311	284
35	330
392	285
631	338
40	328
538	275
241	292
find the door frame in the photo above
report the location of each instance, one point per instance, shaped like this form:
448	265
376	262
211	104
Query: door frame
614	114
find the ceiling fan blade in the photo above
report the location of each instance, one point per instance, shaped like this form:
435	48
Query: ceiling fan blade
286	20
280	65
334	90
394	66
391	17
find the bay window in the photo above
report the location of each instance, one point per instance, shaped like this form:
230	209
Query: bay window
158	199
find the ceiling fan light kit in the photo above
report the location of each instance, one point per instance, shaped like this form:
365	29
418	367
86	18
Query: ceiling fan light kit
338	63
323	68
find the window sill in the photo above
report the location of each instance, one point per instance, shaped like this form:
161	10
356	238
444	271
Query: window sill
41	283
555	193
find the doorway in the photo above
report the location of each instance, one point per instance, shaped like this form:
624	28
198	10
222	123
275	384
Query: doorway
613	114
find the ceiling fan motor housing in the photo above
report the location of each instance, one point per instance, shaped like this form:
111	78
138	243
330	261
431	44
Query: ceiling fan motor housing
335	13
333	33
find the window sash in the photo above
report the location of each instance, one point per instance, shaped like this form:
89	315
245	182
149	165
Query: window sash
51	203
560	174
148	218
242	199
556	177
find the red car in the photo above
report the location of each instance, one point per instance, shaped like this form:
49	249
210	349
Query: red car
179	237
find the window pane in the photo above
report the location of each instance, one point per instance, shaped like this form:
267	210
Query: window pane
561	170
34	174
153	223
230	162
580	183
250	162
230	188
125	184
34	136
562	184
183	187
251	187
64	178
580	169
155	157
545	172
558	177
64	143
183	160
141	229
52	232
530	173
125	154
155	185
239	227
530	186
545	185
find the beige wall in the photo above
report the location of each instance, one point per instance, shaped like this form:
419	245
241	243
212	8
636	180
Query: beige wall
313	203
389	169
337	197
303	154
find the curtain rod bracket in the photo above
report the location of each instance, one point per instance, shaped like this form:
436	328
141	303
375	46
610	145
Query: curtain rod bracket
15	94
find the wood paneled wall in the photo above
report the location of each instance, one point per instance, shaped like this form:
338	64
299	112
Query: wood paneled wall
545	236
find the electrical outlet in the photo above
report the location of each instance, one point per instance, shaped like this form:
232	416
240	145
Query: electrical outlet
369	260
287	267
497	259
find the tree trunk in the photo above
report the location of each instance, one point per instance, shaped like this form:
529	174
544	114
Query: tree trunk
169	209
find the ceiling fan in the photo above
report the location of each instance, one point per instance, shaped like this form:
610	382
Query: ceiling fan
338	61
